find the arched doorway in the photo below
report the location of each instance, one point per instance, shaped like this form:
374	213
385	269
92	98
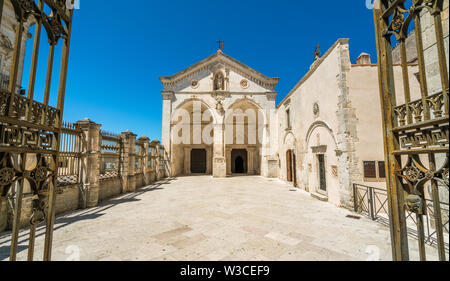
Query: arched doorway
198	161
185	138
291	167
239	161
239	165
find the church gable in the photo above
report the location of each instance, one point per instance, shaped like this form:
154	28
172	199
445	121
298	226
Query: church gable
219	72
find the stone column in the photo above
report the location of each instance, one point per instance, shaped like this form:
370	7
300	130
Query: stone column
269	167
146	157
228	160
162	160
90	176
265	151
251	160
157	161
154	155
129	156
219	161
187	161
167	119
209	157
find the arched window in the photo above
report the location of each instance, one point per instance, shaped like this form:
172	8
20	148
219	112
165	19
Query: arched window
219	81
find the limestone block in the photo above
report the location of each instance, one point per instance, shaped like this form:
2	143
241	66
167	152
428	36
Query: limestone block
219	167
272	166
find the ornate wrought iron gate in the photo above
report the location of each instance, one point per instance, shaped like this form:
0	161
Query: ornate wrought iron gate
416	133
30	130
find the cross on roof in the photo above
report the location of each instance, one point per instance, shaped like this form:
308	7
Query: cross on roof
221	44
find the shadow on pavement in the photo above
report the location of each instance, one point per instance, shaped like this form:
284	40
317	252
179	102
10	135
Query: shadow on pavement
66	219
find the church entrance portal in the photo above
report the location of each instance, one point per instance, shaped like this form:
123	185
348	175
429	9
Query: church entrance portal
239	161
198	161
291	167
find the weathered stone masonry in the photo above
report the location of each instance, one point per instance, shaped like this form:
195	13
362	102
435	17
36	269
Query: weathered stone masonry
91	189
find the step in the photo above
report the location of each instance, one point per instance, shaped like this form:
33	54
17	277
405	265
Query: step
319	196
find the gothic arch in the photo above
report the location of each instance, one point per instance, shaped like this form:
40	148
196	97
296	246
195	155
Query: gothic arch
252	102
234	103
205	103
294	142
316	125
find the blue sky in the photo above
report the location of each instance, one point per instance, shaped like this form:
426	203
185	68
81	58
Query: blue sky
120	48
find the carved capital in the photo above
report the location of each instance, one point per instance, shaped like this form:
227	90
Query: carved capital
271	96
167	95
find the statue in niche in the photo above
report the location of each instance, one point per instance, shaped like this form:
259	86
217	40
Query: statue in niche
219	82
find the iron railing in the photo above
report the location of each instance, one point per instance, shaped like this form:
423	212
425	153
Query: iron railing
415	122
69	160
111	149
373	202
139	158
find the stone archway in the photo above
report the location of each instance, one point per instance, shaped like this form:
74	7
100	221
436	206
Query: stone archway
188	143
290	163
198	161
241	135
239	161
291	166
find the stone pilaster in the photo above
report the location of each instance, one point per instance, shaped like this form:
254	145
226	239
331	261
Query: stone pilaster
145	159
129	156
228	160
163	159
154	156
157	160
251	161
209	153
166	119
90	162
219	161
187	161
347	135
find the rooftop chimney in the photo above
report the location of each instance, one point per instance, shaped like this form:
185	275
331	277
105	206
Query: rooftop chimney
364	58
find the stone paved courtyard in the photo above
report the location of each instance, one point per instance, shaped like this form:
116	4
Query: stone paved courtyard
201	218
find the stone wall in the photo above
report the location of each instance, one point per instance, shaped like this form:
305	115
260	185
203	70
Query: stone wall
110	188
429	46
91	188
336	116
140	181
67	199
7	37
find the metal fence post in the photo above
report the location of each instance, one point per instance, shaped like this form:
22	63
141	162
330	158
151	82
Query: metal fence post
371	206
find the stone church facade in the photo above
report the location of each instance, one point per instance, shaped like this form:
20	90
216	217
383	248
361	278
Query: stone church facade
218	85
324	136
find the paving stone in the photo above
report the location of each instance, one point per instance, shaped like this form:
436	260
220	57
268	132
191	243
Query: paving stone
206	219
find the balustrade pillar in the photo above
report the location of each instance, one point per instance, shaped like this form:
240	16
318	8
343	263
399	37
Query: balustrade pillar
156	145
145	159
128	165
90	159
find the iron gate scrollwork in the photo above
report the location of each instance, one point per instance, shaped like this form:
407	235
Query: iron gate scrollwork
416	132
30	130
